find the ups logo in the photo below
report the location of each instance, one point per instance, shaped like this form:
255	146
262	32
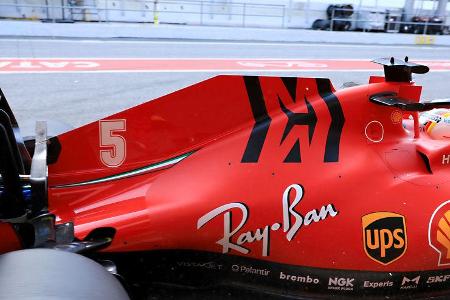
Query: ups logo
384	235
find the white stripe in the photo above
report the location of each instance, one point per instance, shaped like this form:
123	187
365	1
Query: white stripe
222	72
153	167
209	59
288	44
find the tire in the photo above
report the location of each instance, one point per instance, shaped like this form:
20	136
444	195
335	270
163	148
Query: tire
330	9
320	24
347	26
37	274
315	25
348	10
341	25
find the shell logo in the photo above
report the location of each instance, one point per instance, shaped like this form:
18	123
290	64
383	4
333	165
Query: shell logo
439	233
444	232
396	117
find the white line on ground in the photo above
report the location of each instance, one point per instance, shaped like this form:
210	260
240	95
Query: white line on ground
205	59
222	72
288	44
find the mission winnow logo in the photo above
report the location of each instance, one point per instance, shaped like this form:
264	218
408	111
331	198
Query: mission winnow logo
384	236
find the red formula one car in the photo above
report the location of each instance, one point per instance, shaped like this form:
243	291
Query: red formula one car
281	185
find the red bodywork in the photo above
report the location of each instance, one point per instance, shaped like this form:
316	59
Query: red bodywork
277	169
10	238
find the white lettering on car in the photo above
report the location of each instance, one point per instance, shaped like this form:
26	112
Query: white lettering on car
232	240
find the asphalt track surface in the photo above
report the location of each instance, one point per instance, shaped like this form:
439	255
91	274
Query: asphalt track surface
80	81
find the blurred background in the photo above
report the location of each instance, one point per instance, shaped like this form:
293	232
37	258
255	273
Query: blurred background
410	16
77	61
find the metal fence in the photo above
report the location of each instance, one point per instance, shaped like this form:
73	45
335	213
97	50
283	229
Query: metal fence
222	14
188	12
